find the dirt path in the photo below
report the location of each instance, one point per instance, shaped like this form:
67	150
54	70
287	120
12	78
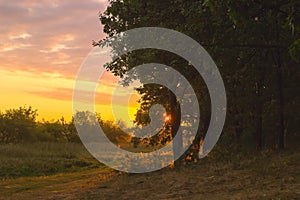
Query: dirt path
61	186
275	177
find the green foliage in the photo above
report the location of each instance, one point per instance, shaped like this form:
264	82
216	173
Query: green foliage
18	125
89	120
295	50
252	43
59	131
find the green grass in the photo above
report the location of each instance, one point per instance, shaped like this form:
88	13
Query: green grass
39	159
266	174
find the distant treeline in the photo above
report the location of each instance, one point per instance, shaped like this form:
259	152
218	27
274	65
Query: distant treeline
21	126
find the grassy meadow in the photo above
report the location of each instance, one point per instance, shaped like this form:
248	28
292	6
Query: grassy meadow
223	174
43	158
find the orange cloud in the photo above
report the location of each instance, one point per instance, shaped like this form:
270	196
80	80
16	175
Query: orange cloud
101	98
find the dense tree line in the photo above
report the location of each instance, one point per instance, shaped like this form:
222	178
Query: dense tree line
255	44
21	126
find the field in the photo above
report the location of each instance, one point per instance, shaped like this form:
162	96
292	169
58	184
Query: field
45	158
67	171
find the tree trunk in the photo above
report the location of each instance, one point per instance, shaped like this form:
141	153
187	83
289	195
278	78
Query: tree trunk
281	103
280	87
175	124
259	108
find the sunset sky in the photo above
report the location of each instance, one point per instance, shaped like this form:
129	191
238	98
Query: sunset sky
42	46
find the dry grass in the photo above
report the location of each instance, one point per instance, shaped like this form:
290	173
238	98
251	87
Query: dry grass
266	175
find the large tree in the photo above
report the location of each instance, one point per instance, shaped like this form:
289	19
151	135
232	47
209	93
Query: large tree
254	43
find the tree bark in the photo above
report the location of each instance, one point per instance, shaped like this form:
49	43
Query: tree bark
281	103
259	108
175	124
281	94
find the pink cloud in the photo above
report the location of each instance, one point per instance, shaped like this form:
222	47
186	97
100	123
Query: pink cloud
48	36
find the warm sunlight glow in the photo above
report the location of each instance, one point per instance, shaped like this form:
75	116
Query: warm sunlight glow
41	52
168	118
